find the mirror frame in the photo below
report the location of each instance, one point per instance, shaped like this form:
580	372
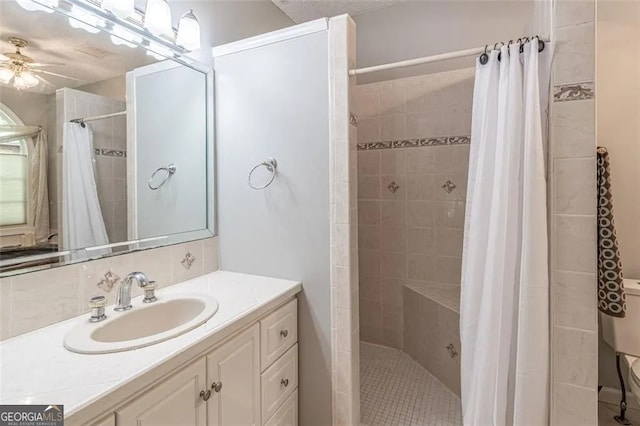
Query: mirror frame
134	26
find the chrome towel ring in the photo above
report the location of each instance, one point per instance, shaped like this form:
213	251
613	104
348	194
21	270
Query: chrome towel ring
272	165
170	169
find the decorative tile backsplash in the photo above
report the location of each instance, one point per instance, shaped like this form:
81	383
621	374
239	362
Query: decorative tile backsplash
574	92
415	143
108	281
34	300
188	260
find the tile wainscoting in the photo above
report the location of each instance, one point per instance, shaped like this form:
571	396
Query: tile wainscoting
37	299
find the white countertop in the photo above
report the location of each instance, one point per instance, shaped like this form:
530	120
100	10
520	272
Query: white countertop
35	368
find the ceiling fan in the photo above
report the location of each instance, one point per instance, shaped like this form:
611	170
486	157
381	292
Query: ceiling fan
23	70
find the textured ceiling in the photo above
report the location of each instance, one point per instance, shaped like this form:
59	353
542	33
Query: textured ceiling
307	10
85	56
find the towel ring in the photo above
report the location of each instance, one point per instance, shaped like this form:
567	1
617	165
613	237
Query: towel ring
272	165
170	169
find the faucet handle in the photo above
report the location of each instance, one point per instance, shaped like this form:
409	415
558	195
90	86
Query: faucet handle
149	292
97	304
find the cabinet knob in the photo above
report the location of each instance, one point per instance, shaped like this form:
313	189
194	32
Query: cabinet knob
284	333
284	382
217	386
205	395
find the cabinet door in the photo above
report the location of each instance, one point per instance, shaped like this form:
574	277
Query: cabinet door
174	402
236	367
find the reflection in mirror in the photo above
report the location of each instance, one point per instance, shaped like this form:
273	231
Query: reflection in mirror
103	143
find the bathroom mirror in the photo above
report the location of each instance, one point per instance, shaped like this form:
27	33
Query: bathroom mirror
106	139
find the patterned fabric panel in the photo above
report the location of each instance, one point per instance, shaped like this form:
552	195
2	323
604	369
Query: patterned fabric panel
611	295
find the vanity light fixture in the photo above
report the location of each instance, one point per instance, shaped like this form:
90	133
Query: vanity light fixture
157	17
84	20
121	8
41	6
189	31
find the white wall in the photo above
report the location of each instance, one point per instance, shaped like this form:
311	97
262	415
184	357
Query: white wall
618	118
273	101
414	29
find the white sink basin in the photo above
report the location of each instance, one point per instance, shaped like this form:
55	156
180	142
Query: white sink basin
143	325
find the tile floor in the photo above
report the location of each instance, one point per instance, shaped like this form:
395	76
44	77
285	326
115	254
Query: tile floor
607	411
397	391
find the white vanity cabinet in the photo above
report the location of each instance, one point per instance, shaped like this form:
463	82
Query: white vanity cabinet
176	401
233	375
249	380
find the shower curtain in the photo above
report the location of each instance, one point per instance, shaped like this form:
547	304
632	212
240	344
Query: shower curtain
82	221
39	202
504	322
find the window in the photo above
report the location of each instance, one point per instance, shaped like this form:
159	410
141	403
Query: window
14	171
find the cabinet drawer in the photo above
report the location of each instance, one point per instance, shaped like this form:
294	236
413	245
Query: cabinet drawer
287	415
279	382
278	332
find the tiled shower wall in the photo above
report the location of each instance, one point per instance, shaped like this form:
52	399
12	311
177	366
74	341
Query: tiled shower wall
572	181
413	148
109	141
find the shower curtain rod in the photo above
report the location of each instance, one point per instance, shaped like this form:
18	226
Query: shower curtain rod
424	60
97	117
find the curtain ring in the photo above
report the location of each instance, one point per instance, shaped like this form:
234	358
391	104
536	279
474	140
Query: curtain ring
499	53
522	43
541	44
484	58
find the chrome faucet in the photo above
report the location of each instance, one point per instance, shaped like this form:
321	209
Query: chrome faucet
123	299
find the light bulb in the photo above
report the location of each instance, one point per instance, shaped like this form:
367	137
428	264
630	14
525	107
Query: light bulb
28	79
6	75
121	8
24	80
189	32
157	17
41	5
85	20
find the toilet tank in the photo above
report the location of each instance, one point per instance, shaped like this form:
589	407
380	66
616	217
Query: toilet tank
623	334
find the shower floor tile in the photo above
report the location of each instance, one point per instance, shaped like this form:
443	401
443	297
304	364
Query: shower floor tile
397	391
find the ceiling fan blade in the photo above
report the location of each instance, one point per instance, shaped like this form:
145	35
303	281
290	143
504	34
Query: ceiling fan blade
42	80
58	75
52	64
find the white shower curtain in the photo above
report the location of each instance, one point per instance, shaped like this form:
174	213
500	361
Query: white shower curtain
504	322
83	224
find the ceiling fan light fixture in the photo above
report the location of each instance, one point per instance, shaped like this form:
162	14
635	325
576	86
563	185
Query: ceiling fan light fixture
157	18
6	75
25	80
189	32
29	78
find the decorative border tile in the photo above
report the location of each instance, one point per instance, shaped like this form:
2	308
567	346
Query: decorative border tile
574	92
110	152
415	143
105	152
